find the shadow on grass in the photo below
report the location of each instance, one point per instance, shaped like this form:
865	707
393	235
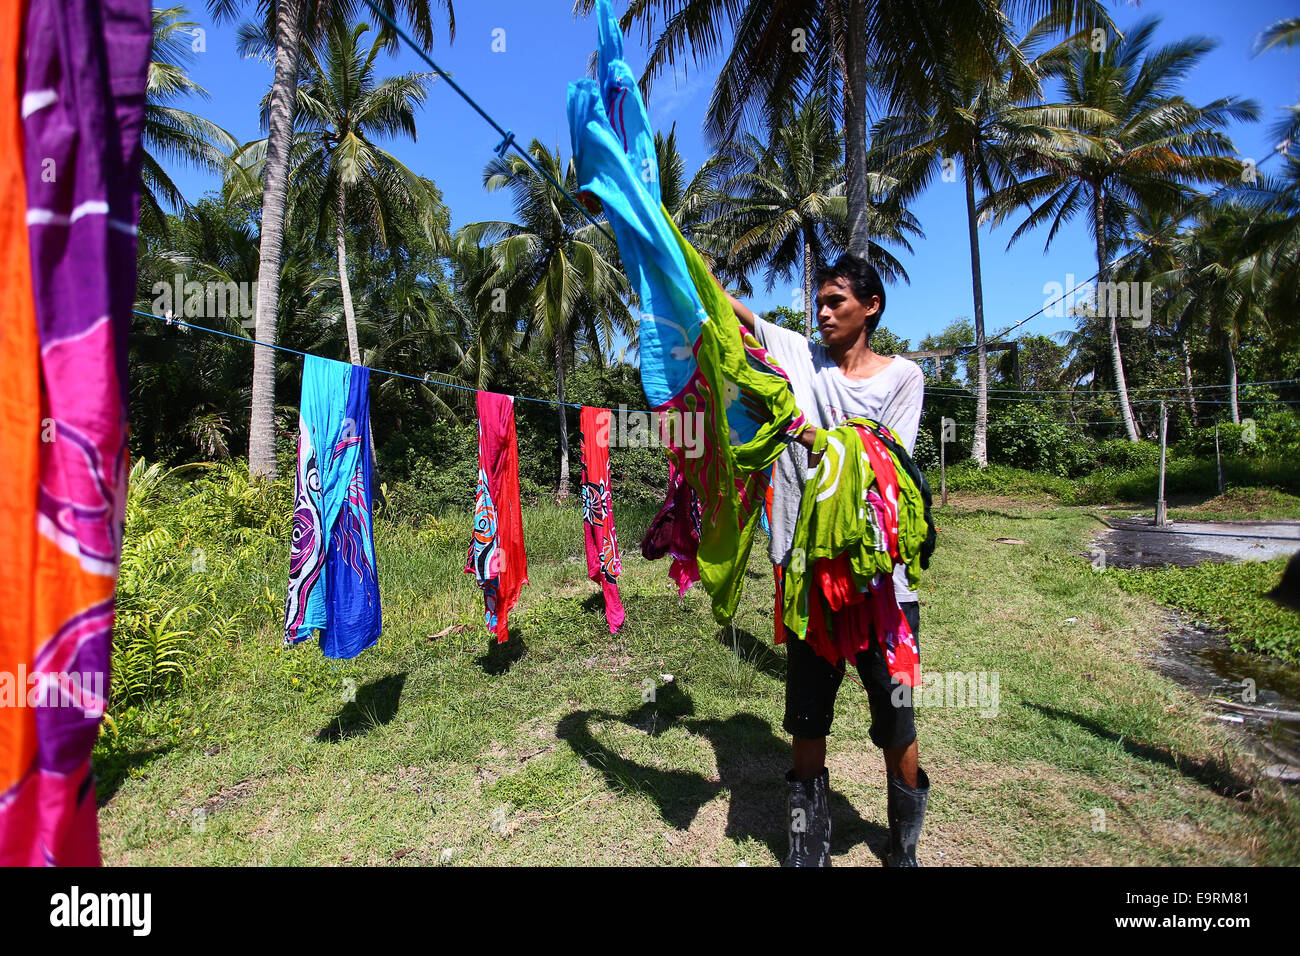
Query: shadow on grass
376	704
113	768
503	655
1214	774
751	761
758	654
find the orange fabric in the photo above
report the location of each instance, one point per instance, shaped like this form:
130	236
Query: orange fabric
20	414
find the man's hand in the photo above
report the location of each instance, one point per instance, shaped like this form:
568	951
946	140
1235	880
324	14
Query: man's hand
808	438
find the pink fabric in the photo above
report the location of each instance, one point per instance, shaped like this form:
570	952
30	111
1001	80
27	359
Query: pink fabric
603	563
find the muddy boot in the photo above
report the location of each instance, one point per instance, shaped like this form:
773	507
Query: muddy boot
906	814
808	816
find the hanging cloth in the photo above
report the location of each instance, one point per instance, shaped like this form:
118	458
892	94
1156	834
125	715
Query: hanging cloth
603	563
696	359
838	591
333	583
496	551
69	194
675	531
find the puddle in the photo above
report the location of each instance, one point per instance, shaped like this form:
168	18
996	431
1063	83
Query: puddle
1258	695
1240	687
1136	543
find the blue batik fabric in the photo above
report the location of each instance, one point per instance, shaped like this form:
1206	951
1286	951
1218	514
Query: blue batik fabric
333	585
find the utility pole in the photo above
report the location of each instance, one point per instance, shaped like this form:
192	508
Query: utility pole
1161	518
1218	458
943	464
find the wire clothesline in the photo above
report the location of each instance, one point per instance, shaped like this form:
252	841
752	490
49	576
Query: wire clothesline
425	380
507	136
428	380
1108	391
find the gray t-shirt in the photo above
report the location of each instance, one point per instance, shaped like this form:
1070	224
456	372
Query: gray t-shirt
827	397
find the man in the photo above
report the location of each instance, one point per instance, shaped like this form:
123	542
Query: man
841	379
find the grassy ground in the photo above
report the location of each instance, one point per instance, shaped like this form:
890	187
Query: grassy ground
570	746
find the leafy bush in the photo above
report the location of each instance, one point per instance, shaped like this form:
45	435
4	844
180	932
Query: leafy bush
1002	480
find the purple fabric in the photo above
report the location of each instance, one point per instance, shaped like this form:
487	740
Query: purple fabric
84	73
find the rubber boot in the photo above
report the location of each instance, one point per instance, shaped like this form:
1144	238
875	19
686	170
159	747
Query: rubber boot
808	816
906	814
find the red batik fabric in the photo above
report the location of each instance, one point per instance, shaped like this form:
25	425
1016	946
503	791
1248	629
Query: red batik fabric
603	563
496	552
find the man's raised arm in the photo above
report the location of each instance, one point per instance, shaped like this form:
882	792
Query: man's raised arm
743	312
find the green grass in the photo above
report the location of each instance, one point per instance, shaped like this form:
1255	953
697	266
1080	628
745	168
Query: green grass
567	745
1228	596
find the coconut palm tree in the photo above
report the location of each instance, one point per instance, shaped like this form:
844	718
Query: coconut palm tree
552	269
786	207
1146	145
171	133
341	177
1223	279
291	22
984	120
843	49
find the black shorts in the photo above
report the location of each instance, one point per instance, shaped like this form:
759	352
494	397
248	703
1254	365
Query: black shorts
811	683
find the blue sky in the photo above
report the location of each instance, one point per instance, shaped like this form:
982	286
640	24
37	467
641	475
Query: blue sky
545	47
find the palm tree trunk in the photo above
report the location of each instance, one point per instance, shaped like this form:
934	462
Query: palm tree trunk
807	287
1232	381
349	316
1103	276
562	492
979	445
284	91
1187	378
855	127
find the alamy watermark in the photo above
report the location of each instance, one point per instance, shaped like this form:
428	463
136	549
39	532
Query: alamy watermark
1119	300
190	299
84	690
671	428
966	689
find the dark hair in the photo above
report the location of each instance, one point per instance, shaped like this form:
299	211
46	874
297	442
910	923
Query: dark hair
863	279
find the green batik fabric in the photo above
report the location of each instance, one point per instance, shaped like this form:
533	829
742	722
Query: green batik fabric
835	517
729	477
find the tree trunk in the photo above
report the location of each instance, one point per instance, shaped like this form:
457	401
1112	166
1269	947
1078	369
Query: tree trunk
275	191
562	492
808	309
349	316
855	128
1232	381
1103	276
1187	378
979	445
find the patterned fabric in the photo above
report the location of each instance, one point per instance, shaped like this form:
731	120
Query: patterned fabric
496	552
482	560
69	167
603	564
333	583
838	590
696	359
675	531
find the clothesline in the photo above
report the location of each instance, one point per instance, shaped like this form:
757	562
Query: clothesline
1172	399
426	380
1177	389
507	136
546	401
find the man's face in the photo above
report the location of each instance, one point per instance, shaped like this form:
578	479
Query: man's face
840	316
